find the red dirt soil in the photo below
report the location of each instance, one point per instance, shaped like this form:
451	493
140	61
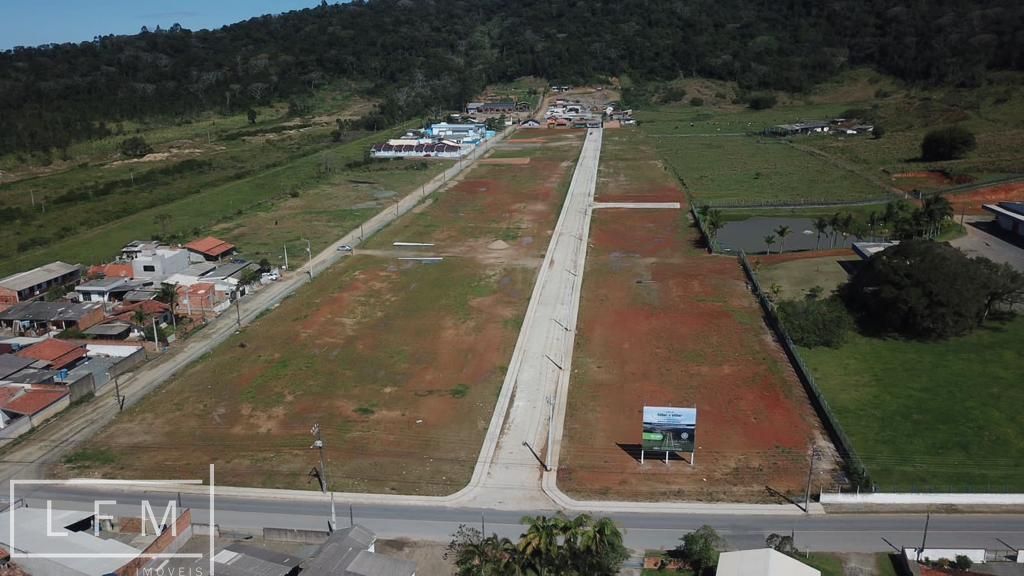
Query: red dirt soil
970	202
663	323
806	255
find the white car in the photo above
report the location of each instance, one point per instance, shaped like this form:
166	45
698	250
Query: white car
344	248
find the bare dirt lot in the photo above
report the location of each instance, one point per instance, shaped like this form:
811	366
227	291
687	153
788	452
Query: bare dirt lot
663	323
399	361
971	202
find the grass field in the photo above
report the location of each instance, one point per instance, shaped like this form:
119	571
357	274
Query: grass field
400	362
708	148
931	415
219	175
796	277
888	392
742	169
663	323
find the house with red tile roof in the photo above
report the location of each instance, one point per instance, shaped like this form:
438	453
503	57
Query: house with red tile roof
37	402
150	308
54	354
112	270
211	248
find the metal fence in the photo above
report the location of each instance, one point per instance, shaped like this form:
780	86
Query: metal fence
803	203
840	439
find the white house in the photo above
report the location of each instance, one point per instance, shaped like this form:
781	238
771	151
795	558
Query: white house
761	562
100	290
159	263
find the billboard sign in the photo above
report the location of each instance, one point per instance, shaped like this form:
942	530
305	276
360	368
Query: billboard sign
668	429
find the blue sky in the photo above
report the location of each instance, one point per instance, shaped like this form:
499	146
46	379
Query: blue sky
34	22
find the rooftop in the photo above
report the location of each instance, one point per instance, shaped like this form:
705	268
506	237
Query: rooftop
103	556
1013	210
36	276
761	562
49	311
227	270
34	399
868	249
56	353
346	553
112	270
10	363
210	246
112	329
253	561
102	283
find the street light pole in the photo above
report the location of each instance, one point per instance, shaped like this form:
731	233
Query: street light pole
319	444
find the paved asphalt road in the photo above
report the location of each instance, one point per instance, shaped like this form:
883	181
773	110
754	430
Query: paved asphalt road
835	532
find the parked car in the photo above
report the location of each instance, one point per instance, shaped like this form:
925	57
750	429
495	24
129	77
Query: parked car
344	248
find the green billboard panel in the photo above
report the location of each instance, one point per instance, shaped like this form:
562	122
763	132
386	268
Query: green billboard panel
668	429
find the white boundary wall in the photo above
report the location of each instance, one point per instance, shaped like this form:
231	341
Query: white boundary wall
911	498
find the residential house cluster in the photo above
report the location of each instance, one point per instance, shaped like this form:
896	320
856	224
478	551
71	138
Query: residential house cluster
566	114
41	376
440	140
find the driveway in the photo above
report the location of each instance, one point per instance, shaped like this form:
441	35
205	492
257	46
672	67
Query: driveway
980	241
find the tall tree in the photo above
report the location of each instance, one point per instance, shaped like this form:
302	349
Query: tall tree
782	232
769	241
820	226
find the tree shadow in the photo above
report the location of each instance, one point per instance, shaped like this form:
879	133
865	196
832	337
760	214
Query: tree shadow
634	452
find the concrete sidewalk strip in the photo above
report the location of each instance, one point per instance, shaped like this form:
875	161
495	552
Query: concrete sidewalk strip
642	205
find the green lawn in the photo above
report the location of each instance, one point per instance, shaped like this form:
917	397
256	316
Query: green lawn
796	277
749	169
932	415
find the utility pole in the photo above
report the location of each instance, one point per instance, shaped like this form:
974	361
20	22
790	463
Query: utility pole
156	341
309	253
319	444
286	256
117	394
810	473
238	312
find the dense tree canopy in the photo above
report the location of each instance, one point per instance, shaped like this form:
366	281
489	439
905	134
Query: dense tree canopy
420	54
926	289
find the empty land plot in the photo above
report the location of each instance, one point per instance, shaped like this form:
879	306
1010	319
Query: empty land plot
662	323
753	170
931	416
935	416
795	276
400	362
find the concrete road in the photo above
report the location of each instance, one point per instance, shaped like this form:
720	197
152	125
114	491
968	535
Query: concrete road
838	533
517	447
979	242
29	457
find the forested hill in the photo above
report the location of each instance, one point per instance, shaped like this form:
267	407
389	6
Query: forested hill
420	54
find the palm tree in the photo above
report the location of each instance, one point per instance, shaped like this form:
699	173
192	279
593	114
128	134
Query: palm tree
846	226
782	232
168	294
833	223
769	240
873	221
820	225
936	209
539	545
600	546
713	223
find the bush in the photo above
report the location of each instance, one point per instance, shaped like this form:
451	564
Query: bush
877	132
696	101
947	144
813	322
762	101
673	94
135	147
963	562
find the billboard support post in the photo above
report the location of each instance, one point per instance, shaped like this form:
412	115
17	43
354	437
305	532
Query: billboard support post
666	458
641	456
